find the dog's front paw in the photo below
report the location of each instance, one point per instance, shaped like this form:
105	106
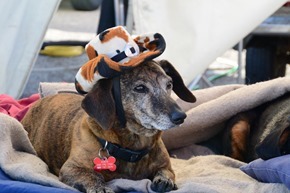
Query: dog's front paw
104	190
162	184
101	189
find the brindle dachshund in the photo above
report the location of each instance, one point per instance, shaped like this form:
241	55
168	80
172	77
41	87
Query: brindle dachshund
263	132
69	130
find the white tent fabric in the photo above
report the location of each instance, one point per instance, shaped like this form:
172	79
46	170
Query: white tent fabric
199	31
22	27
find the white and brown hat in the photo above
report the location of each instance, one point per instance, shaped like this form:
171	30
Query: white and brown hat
113	51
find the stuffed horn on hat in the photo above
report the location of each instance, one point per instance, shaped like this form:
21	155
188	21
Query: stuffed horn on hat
113	51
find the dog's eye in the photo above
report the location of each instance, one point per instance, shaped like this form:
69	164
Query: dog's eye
118	51
169	85
141	89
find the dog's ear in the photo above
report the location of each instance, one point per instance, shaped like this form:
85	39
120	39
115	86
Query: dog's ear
178	85
99	103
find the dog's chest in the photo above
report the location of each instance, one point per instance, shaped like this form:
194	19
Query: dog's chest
128	170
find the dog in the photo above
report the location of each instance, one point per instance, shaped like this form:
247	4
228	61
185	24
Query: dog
68	131
262	132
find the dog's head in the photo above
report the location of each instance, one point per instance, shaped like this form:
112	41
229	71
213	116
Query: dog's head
275	141
146	98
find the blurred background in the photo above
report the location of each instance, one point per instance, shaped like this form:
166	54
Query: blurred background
210	43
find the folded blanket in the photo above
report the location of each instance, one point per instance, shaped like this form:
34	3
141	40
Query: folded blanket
18	158
206	174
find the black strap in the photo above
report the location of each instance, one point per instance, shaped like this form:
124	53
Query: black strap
123	153
122	55
118	101
119	57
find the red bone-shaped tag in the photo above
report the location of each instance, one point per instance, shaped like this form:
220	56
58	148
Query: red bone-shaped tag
105	164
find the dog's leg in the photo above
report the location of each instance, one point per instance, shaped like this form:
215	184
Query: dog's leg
83	179
163	181
237	136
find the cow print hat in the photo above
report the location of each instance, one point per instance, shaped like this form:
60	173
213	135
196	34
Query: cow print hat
113	51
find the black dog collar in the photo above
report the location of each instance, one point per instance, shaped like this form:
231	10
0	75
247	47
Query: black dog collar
123	153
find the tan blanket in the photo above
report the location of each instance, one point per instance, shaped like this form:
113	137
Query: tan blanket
209	173
18	158
206	174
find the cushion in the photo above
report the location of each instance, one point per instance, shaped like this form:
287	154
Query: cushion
275	170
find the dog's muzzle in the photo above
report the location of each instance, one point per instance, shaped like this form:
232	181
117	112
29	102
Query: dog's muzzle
176	115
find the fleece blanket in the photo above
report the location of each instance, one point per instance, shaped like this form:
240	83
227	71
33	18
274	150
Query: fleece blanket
18	158
210	173
206	174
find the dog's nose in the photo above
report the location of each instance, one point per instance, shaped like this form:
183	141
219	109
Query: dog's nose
177	117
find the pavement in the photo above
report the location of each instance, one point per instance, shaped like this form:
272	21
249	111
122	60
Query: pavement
66	24
70	24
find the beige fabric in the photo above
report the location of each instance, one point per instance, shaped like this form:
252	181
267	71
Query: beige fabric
52	88
206	174
18	158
